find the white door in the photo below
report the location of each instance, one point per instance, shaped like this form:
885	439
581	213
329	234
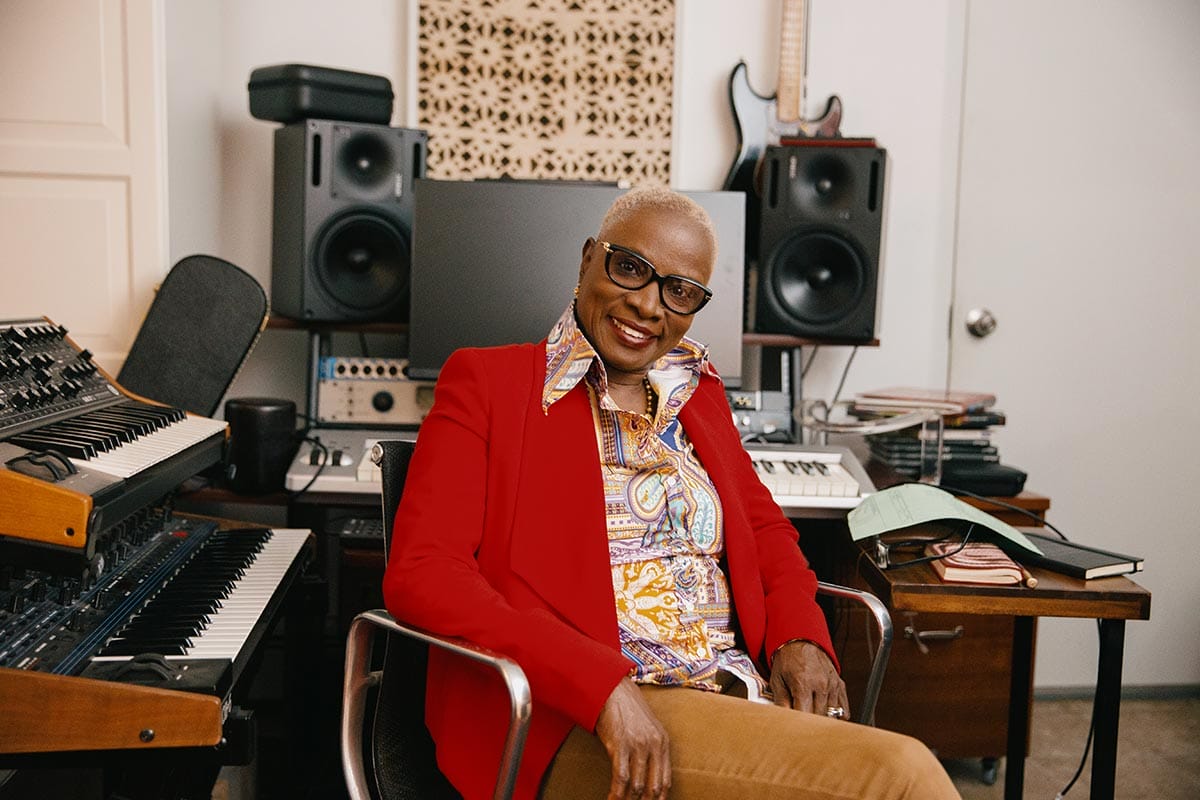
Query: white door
81	166
1079	230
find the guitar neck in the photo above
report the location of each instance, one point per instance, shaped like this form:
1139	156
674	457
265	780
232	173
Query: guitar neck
789	97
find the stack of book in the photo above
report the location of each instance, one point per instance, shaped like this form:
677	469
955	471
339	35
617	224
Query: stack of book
968	421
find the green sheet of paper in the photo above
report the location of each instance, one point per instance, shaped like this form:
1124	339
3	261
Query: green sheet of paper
913	503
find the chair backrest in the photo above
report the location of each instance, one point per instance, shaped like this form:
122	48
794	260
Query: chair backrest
399	747
203	322
394	458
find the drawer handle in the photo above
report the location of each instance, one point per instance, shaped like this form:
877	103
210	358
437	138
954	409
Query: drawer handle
921	637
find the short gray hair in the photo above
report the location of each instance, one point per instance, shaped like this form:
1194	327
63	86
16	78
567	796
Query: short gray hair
658	198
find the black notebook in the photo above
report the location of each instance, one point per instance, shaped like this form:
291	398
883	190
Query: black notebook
1070	558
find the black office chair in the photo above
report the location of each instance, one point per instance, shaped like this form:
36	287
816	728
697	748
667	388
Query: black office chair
204	320
389	754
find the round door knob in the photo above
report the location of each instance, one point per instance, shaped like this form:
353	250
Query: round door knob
980	322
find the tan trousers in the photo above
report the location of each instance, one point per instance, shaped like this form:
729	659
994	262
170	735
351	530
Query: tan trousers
726	748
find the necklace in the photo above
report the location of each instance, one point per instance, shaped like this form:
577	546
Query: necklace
649	396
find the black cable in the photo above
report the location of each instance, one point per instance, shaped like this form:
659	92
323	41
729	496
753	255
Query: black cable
1087	746
845	371
316	442
1039	519
928	558
812	357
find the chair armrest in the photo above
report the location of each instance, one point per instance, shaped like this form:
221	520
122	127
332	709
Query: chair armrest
883	622
360	678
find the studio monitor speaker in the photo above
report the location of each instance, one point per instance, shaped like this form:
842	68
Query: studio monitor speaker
818	270
343	208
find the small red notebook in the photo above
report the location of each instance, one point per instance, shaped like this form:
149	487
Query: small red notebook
976	562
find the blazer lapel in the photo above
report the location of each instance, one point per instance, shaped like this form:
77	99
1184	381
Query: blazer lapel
559	535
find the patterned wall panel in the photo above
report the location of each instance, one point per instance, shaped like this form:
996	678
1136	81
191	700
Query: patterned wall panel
559	89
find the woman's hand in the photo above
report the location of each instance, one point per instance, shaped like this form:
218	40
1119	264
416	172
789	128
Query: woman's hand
804	678
637	744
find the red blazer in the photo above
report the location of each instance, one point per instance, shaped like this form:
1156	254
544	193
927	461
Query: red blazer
501	539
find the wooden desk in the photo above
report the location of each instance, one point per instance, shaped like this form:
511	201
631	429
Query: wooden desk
955	668
1109	600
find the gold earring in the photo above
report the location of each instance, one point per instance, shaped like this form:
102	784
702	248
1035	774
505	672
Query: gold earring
577	290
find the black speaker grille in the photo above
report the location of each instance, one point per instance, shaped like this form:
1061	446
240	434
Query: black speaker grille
816	278
362	261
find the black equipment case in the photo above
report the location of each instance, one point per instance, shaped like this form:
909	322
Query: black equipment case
290	93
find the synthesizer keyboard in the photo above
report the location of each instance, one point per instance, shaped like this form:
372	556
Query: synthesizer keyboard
178	588
163	625
78	453
811	476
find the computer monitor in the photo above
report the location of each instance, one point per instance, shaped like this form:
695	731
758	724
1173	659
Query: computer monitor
494	262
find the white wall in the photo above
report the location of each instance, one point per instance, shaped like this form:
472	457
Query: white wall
221	158
897	67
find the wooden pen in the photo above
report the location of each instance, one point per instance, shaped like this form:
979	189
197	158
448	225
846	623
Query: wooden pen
1030	581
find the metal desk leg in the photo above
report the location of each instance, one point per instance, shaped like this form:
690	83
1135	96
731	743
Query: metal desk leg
1107	708
1018	708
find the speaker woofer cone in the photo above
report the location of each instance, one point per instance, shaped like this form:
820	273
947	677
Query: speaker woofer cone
363	262
816	278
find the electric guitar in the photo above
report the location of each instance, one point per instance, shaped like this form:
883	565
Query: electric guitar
761	120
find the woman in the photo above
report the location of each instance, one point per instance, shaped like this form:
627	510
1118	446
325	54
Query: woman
584	506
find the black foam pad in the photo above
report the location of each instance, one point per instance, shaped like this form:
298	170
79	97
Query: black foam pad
201	325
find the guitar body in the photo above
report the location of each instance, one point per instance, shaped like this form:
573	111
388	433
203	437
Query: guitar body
756	123
752	115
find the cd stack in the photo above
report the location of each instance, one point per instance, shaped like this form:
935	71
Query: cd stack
968	421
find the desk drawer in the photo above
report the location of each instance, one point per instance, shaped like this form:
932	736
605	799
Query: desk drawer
947	680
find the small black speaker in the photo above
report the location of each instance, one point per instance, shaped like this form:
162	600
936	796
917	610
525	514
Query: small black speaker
818	271
341	246
262	441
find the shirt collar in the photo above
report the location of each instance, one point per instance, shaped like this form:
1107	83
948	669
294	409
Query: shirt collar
570	356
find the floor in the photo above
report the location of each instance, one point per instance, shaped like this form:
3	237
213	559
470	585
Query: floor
1158	758
1158	752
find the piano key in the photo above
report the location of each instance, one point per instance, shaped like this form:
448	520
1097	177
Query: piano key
798	478
144	452
252	592
245	567
68	446
110	430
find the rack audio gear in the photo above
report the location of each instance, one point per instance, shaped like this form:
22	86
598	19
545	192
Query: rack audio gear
370	393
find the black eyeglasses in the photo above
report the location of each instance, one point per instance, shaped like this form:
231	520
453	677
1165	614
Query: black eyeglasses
883	550
630	271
